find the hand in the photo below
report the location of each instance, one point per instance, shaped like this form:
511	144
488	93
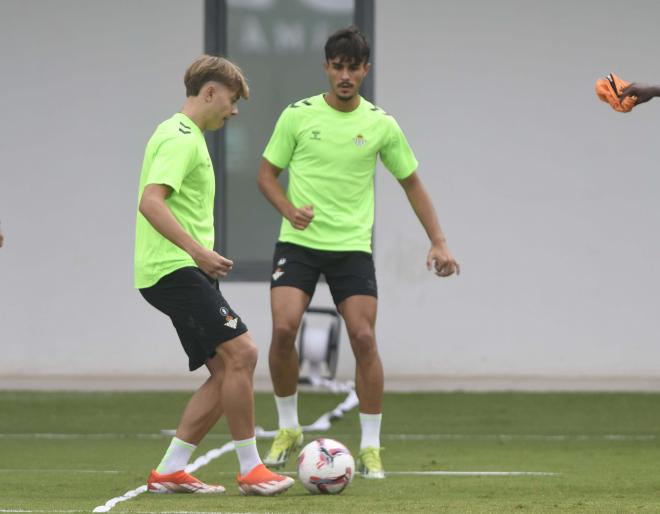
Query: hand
212	263
643	92
441	259
302	217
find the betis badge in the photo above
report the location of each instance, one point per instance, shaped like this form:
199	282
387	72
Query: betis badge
359	140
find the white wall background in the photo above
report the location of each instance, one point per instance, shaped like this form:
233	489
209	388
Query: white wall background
548	198
84	85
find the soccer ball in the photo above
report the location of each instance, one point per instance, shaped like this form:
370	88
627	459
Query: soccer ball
325	466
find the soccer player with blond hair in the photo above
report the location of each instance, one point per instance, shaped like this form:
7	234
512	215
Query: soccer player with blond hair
177	272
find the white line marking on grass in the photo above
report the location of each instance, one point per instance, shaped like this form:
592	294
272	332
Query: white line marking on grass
440	473
190	468
203	460
322	423
57	436
126	496
133	511
192	512
39	470
475	473
518	437
49	510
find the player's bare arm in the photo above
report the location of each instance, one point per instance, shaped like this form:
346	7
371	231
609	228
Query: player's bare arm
439	257
155	210
643	92
271	188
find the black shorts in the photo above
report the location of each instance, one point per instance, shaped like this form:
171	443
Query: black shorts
202	317
347	273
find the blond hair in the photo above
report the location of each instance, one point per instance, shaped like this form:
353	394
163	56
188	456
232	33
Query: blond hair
210	67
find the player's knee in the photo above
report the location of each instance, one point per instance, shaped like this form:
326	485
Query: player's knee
242	355
363	341
284	335
250	354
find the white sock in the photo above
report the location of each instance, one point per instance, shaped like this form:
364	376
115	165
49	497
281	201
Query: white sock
176	457
287	411
370	424
247	453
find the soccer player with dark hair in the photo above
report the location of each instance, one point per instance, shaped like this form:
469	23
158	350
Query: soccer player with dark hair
177	272
330	143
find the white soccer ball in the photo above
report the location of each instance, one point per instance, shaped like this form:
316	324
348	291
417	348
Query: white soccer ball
325	466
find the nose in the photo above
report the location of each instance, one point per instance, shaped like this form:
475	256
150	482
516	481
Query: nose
344	74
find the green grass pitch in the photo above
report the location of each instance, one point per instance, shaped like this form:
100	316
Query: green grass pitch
70	452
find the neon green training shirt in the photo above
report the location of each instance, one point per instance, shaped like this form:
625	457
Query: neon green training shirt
176	156
331	156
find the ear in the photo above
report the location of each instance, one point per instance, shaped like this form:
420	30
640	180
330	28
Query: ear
367	68
209	91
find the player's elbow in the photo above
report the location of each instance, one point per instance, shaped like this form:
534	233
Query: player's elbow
152	199
143	207
148	205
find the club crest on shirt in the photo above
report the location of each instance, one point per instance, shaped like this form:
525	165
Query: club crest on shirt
359	140
231	322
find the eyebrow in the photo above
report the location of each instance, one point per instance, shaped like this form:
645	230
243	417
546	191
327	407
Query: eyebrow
350	64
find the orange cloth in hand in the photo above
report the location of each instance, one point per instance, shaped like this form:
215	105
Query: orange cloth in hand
609	90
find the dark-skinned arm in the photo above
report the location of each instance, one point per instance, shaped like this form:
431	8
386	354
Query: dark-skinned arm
643	92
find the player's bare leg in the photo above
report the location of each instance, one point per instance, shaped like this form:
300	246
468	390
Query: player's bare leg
204	409
201	413
359	313
288	306
239	356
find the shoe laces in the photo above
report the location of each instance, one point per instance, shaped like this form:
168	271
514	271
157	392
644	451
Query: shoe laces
370	457
284	439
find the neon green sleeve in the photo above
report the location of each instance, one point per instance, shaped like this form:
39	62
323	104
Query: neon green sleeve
396	154
172	162
282	142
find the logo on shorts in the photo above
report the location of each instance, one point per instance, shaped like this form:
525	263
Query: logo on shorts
231	322
282	261
278	273
224	311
